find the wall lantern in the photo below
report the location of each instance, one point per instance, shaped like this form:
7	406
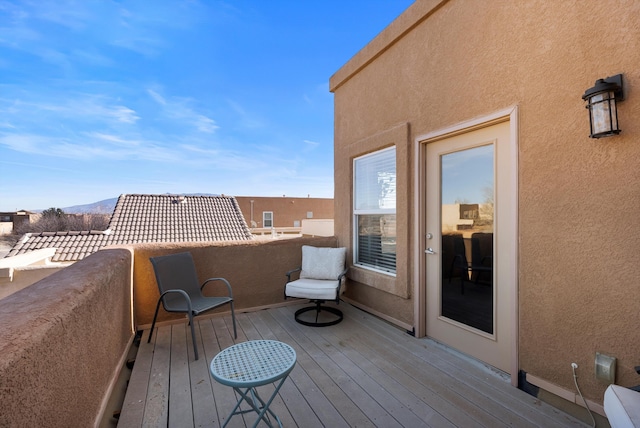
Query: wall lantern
601	103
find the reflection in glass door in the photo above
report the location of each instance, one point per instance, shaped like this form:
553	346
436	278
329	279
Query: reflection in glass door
467	208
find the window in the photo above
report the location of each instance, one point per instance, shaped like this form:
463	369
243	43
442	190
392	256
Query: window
374	210
267	219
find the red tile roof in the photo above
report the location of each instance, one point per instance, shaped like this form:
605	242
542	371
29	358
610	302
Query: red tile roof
148	218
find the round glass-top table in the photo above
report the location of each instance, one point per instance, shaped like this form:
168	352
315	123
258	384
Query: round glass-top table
246	365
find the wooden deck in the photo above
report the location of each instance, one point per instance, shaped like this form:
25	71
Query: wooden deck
361	372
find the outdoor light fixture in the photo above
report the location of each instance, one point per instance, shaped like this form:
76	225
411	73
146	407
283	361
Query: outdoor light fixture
601	103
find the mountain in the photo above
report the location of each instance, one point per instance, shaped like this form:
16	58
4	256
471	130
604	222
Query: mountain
101	207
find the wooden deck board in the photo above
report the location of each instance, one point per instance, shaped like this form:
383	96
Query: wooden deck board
361	372
181	410
205	406
138	386
156	410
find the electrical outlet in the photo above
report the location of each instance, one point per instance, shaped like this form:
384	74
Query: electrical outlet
605	368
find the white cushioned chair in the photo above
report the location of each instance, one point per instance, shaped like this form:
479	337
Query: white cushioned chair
622	406
321	275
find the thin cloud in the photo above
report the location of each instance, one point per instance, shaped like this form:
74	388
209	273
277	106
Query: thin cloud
30	144
310	144
90	126
33	166
180	111
122	114
59	107
92	57
146	46
114	139
92	147
70	14
221	158
246	120
157	97
307	100
205	124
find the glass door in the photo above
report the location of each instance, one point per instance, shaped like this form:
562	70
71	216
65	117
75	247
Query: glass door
469	244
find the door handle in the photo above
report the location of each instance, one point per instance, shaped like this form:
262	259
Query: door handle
429	251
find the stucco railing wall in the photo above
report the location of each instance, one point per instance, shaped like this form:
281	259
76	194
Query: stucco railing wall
256	271
62	342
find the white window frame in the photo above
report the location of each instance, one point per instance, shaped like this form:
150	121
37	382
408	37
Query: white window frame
386	206
266	214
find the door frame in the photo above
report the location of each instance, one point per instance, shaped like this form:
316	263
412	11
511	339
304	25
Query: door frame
419	218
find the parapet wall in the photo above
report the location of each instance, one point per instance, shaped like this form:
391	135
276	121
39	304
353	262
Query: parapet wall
62	341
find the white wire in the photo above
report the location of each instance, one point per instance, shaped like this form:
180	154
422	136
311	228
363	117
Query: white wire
575	380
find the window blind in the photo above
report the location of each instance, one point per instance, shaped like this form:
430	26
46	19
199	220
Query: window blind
374	210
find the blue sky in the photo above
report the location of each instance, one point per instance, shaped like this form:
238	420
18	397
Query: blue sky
101	98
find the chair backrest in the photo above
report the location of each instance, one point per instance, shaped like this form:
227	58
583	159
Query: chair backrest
176	272
460	249
481	247
322	262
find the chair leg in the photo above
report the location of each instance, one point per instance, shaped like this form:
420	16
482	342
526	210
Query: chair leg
233	318
154	320
193	336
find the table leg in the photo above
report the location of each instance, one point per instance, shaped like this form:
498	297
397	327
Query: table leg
253	402
265	407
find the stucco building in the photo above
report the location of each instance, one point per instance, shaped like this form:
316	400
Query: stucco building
480	104
285	211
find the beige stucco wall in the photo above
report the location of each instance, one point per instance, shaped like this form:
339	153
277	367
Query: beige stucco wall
62	342
255	270
443	63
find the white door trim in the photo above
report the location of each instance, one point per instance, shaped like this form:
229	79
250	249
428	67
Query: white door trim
419	199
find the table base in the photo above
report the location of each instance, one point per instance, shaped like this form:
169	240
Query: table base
250	395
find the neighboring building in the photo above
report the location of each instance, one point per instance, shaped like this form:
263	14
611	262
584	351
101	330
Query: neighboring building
463	100
9	220
267	212
148	218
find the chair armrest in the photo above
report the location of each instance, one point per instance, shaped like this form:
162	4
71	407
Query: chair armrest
181	292
218	279
340	277
291	272
298	269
